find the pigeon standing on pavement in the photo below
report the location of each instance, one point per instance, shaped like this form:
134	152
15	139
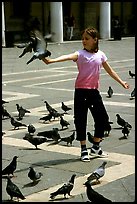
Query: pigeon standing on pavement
10	168
65	188
98	173
64	123
94	196
125	131
35	140
16	123
65	107
22	111
110	92
47	117
5	113
31	129
33	175
13	190
122	122
133	94
69	139
131	74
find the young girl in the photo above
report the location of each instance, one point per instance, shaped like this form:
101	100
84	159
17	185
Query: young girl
89	61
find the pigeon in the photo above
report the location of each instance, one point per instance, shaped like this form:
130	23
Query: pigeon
131	74
13	190
16	123
65	188
69	139
49	108
107	129
133	94
121	121
21	111
90	137
94	196
63	123
125	132
110	92
28	47
64	107
33	175
98	173
11	167
5	113
56	114
3	101
35	140
47	117
51	134
40	50
31	129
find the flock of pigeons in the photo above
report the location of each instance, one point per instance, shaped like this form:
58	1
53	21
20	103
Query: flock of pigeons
14	191
36	139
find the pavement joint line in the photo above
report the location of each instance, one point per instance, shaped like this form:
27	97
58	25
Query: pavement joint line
112	173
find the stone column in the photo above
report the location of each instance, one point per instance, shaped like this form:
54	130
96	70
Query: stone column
3	26
105	20
56	17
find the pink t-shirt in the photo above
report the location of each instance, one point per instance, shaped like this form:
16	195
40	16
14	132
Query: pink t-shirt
89	67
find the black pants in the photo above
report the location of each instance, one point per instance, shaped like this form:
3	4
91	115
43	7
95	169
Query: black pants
91	99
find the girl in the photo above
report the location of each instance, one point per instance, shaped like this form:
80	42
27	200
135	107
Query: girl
89	61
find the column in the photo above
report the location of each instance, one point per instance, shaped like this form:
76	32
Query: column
105	20
3	26
56	17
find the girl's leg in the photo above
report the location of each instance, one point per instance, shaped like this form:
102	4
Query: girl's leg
80	121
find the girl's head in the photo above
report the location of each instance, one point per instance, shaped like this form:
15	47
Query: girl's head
90	37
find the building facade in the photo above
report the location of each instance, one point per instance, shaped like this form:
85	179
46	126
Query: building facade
52	15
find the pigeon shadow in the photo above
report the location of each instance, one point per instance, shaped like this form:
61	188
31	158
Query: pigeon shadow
8	200
30	148
31	184
63	129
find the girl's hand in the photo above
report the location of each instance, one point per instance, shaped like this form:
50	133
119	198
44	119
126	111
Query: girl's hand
125	85
47	61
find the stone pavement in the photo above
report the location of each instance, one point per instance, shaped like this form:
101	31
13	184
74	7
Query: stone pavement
30	85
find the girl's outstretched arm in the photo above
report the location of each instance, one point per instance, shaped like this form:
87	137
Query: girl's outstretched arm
62	58
114	75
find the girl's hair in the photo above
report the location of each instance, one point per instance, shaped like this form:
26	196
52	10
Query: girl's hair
93	32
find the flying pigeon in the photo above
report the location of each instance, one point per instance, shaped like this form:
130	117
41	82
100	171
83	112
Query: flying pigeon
16	123
98	173
121	121
69	139
31	129
13	190
63	123
33	175
65	107
131	74
65	188
110	92
35	140
11	167
40	50
94	196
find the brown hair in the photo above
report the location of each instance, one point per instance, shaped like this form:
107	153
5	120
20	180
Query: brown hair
93	32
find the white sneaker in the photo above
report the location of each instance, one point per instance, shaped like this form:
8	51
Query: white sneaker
98	152
84	156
